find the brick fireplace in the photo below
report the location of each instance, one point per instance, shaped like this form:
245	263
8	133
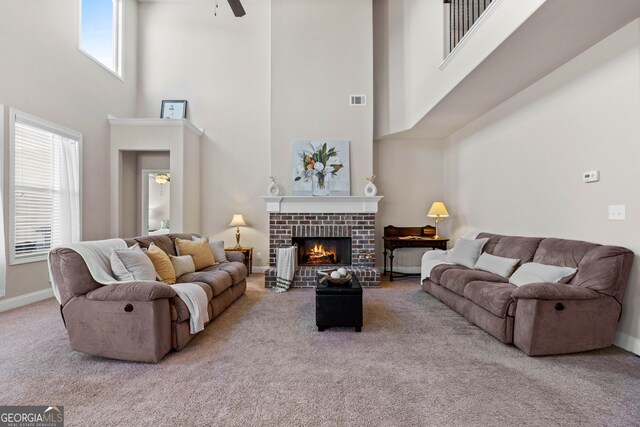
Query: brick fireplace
317	218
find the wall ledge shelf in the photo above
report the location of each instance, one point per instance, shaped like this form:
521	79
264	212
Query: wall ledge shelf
328	204
132	121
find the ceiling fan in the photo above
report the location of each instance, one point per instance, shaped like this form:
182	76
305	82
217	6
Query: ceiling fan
236	7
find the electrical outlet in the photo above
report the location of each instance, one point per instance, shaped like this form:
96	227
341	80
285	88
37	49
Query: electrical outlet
617	212
259	256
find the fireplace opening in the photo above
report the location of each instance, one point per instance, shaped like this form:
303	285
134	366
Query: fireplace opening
323	250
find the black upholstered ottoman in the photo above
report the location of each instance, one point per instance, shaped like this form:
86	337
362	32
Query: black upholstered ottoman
339	305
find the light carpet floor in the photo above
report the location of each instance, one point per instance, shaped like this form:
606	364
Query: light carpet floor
263	362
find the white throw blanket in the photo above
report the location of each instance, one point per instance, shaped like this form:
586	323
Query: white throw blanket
286	268
432	259
97	256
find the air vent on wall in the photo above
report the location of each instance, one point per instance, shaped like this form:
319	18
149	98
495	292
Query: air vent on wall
358	100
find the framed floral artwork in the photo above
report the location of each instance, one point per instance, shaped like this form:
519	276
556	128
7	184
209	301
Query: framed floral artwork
321	168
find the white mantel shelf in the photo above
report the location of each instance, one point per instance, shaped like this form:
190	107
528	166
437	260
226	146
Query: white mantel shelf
327	204
130	121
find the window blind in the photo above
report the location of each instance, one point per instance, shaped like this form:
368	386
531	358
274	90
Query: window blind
46	190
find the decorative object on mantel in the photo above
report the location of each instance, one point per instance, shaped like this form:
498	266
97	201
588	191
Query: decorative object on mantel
321	168
237	221
173	109
274	189
370	189
438	211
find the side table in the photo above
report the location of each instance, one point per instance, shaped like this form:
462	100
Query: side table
248	255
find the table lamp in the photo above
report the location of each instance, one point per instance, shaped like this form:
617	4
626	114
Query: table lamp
237	221
438	211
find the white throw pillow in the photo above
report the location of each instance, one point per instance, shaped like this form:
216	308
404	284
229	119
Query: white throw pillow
533	272
183	264
496	264
466	252
132	264
217	248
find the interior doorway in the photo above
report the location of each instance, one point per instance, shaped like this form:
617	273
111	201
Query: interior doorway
155	215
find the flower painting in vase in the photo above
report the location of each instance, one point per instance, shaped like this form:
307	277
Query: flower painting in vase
321	168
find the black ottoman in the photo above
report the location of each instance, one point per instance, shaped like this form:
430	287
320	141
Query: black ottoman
339	305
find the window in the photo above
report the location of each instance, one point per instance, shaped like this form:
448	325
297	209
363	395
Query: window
100	31
44	187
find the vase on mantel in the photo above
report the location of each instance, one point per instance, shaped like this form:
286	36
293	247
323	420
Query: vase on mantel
320	185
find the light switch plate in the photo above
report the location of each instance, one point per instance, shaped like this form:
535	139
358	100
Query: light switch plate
617	212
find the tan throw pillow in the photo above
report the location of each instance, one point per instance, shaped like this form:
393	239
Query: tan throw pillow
199	250
183	264
162	263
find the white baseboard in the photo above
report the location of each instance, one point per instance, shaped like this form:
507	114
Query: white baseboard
258	269
19	301
627	342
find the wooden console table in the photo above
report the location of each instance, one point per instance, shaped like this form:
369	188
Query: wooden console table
248	255
409	237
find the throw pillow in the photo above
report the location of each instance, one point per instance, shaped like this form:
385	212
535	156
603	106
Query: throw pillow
533	272
217	248
162	263
132	264
199	250
466	252
183	264
496	264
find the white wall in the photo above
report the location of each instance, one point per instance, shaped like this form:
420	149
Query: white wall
322	52
221	66
43	73
410	49
409	176
517	169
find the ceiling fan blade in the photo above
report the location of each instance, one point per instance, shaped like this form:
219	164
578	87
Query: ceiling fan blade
237	8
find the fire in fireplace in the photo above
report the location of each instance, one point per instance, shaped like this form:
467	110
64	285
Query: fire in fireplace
323	250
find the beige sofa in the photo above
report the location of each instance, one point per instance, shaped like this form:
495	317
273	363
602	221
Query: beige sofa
541	318
138	321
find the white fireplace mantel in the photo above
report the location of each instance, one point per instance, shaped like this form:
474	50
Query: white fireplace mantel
327	204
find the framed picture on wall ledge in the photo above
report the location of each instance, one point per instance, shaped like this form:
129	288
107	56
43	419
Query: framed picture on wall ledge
173	109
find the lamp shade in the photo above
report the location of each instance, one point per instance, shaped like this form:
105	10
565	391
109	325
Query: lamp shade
237	221
438	210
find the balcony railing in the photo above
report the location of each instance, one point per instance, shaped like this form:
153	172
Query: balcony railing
462	14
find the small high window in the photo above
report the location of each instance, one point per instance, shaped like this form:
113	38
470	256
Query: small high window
100	32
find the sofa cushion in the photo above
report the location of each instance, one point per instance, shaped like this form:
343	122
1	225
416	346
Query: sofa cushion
217	248
163	242
199	251
183	264
217	280
533	272
605	269
466	252
493	297
439	270
522	248
237	270
457	280
496	264
181	309
563	253
162	263
132	264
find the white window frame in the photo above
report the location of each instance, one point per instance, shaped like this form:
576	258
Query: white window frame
118	35
52	127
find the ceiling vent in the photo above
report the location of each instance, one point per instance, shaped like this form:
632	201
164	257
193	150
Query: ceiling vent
358	100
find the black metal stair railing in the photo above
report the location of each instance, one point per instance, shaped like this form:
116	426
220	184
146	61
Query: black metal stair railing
462	15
